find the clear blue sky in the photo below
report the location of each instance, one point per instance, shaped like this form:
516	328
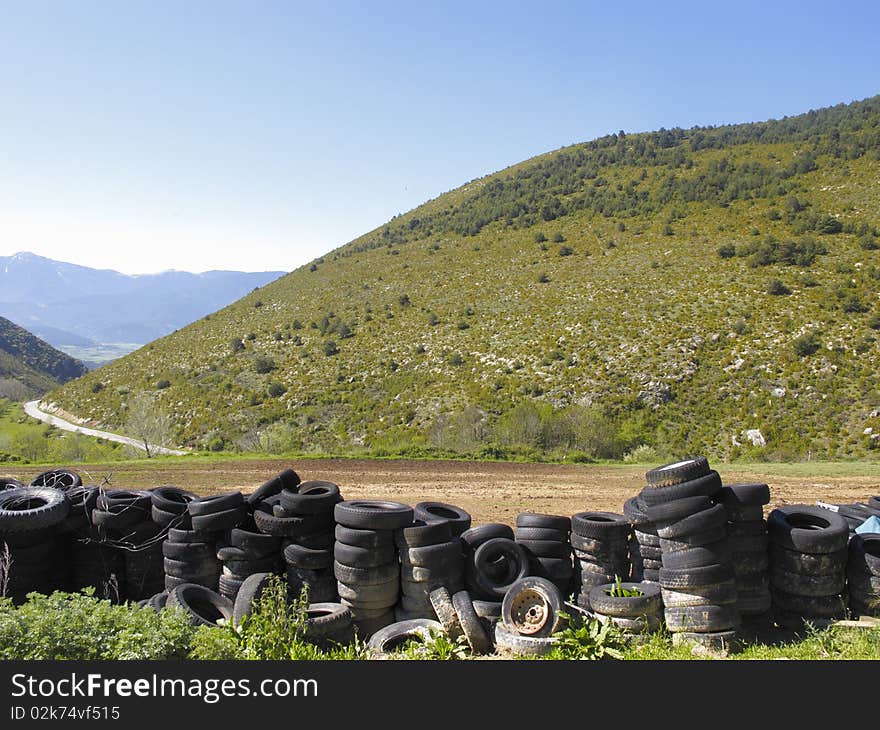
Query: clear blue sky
259	135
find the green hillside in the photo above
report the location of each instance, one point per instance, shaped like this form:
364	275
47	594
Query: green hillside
670	289
29	366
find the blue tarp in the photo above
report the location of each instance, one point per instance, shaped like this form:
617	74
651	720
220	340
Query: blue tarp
872	524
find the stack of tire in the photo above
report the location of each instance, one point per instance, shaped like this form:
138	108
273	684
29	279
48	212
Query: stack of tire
493	562
246	551
93	563
168	507
808	559
748	542
302	515
64	480
28	518
601	549
644	545
697	580
530	615
430	556
365	561
546	542
636	614
863	574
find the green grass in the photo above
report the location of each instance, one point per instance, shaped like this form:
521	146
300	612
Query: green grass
453	329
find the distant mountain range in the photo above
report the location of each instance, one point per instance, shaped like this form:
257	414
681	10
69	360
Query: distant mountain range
75	307
29	366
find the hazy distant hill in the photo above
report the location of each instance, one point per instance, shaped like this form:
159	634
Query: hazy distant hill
71	305
673	289
28	366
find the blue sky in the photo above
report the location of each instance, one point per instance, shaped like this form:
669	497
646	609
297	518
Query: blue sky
259	135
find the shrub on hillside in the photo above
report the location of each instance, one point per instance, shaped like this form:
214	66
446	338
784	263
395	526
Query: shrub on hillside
807	344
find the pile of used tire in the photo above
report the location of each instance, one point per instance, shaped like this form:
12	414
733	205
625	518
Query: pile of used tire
601	548
493	560
697	580
808	559
430	553
747	538
644	546
547	540
368	577
863	574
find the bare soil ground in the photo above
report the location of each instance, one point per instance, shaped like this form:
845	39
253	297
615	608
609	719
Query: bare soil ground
490	491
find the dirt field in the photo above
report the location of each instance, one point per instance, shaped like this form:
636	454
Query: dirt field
491	492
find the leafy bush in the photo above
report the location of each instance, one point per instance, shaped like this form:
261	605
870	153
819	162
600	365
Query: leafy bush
807	344
329	348
276	390
588	639
777	288
80	626
264	365
727	251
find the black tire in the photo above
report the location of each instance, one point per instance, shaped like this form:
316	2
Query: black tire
303	557
705	486
220	521
807	585
10	483
356	557
375	595
32	508
311	498
422	534
249	593
634	509
532	607
395	636
865	550
62	479
649	539
290	527
212	505
548	522
443	574
171	499
188	552
754	528
645	552
600	525
195	571
746	513
170	519
373	514
158	601
522	534
701	619
255	544
695	577
677	472
204	606
365	576
507	640
749	544
716	594
697	557
443	557
480	576
288	479
697	539
364	538
471	626
444	609
188	536
812	606
119	500
808	529
123	520
456	517
670	512
750	563
229	586
794	561
476	536
270	564
546	548
489	610
600	549
745	495
695	524
327	621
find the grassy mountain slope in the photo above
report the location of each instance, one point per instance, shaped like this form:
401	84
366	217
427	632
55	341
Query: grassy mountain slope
673	288
29	366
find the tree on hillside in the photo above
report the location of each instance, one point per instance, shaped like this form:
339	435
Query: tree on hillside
146	422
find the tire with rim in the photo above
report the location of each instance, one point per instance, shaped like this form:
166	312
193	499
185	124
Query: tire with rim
532	606
32	508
